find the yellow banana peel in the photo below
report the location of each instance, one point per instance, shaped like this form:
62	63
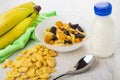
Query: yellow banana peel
13	16
7	23
27	5
17	31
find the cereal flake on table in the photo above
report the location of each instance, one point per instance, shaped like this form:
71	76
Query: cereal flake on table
33	64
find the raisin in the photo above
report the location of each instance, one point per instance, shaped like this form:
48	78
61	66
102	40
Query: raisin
74	26
62	29
79	28
67	41
54	38
53	30
79	35
72	32
66	32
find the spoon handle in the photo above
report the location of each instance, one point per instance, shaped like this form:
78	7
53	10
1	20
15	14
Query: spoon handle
60	76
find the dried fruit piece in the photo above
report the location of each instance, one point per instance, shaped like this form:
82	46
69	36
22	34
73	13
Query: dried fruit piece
66	32
54	38
79	28
77	40
59	23
74	26
53	30
67	41
79	35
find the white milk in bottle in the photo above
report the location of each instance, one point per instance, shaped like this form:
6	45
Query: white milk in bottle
102	30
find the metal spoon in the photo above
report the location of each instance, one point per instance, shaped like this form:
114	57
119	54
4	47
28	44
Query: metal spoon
81	66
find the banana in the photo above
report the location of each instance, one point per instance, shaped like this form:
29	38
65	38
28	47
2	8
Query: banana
7	23
28	5
17	31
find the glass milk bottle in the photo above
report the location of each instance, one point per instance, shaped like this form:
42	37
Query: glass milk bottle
102	30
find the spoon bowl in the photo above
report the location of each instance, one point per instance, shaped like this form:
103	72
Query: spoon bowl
81	66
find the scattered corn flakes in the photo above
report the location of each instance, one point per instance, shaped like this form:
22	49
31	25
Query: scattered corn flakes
33	64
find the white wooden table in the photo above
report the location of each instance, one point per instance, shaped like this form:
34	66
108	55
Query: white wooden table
106	69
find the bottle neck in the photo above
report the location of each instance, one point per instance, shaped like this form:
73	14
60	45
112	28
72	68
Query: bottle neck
103	19
107	16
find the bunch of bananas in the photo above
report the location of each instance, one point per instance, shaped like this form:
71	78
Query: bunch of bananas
14	22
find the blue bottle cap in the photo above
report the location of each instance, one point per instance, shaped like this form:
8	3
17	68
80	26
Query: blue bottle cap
103	8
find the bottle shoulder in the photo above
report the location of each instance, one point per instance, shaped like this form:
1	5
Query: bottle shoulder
105	18
102	20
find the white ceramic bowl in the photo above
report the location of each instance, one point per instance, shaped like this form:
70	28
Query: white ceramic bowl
40	30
